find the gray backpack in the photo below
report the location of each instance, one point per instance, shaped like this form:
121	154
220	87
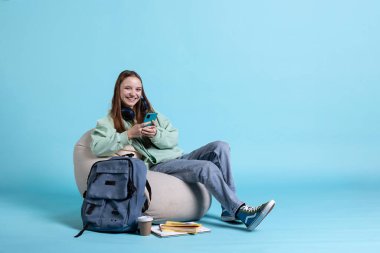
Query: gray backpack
115	195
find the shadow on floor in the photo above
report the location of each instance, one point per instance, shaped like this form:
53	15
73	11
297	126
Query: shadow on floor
215	221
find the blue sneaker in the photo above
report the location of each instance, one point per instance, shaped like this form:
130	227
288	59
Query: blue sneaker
227	216
252	216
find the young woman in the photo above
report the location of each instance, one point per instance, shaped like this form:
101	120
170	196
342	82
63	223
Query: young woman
123	131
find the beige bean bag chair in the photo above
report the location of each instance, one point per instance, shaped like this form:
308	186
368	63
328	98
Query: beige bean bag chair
172	198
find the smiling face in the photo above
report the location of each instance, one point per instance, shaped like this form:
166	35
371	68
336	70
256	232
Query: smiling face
130	91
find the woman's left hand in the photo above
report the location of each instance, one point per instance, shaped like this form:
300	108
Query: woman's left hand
149	131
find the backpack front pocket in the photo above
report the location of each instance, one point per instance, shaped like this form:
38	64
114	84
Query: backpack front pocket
92	211
110	186
115	214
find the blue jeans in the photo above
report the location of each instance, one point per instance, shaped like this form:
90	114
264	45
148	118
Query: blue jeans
209	165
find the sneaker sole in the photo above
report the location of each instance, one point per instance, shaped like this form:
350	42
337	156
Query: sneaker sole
227	218
262	216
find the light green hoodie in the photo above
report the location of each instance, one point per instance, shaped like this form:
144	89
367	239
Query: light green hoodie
106	141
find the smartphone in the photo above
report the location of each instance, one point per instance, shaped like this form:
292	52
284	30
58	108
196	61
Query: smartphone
149	117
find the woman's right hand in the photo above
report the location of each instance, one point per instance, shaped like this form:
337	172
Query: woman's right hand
135	131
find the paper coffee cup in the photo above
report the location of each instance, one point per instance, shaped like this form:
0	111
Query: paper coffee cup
145	224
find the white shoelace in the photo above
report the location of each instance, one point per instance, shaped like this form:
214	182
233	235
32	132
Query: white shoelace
250	209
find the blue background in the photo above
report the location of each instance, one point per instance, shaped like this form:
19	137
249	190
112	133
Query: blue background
293	86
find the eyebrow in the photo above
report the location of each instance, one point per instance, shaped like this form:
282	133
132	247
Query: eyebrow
129	86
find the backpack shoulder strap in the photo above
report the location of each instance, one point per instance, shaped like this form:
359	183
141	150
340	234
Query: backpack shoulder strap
146	203
81	232
149	189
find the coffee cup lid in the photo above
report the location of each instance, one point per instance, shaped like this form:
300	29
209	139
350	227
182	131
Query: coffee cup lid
144	219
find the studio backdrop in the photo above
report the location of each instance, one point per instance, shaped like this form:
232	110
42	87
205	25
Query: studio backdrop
293	86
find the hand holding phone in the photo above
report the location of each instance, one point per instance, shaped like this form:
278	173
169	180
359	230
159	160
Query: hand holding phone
149	117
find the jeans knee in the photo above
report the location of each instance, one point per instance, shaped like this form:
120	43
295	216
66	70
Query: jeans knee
209	170
220	146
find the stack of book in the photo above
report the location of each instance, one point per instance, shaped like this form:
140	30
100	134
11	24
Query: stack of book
175	226
171	228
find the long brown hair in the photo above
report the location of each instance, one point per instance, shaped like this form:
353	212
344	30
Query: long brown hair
117	103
